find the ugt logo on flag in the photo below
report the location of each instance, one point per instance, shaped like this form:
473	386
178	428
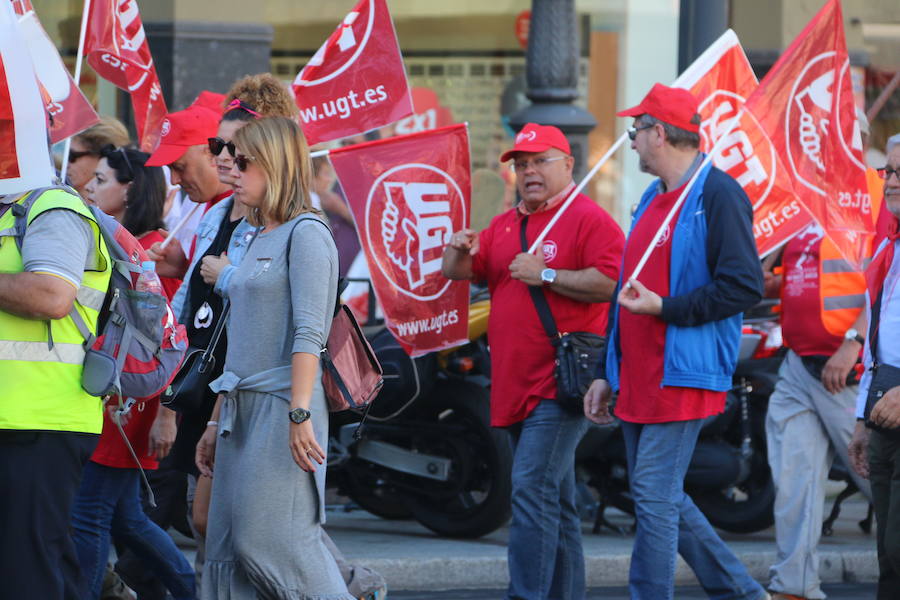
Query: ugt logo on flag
356	81
408	195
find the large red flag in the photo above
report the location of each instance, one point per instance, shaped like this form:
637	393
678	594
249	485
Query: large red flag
71	111
805	105
356	82
408	194
722	80
117	49
24	155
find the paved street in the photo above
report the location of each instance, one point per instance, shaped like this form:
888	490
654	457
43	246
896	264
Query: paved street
857	591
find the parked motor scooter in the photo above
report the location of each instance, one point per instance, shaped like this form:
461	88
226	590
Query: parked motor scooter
427	450
729	478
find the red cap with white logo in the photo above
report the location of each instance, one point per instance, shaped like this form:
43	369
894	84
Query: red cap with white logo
192	126
537	138
675	106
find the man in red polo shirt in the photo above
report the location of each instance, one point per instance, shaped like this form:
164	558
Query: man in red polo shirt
673	343
184	147
577	269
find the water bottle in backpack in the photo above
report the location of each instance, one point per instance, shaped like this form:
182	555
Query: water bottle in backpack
148	281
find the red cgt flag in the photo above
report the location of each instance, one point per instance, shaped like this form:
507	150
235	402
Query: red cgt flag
722	80
356	81
117	49
408	194
805	105
71	111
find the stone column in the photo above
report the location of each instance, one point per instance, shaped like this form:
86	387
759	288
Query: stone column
552	76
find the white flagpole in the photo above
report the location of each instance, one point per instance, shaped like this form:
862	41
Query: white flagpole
78	59
180	224
681	198
540	239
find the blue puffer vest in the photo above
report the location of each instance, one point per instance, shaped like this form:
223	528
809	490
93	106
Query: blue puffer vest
703	356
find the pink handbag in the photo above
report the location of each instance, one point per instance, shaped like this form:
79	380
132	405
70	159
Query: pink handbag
351	375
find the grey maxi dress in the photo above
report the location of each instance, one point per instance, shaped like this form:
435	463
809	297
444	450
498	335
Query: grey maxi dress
264	537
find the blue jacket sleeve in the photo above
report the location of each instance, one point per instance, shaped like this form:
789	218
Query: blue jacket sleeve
737	279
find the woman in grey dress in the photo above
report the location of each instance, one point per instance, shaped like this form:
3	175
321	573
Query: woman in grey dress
269	429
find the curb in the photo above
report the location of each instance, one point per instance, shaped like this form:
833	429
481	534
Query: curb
412	574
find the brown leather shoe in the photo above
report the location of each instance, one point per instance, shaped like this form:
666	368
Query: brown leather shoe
782	596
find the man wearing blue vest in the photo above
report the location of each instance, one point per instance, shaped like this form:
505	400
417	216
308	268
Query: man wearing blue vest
673	341
48	424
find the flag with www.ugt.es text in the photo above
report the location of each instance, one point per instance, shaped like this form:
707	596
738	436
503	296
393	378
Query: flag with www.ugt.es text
356	82
722	80
408	194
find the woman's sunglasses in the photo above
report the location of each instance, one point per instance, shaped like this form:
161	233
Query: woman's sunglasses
242	162
216	144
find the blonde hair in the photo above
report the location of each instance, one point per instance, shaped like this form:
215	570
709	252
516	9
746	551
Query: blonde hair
278	147
265	94
108	131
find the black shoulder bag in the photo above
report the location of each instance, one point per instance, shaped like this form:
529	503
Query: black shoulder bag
577	352
884	377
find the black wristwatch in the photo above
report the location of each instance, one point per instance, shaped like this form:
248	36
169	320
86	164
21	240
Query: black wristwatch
853	334
299	415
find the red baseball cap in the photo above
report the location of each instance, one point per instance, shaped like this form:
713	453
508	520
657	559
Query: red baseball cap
537	138
210	100
181	130
675	106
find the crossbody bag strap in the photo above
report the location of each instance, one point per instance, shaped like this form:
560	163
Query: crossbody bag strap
538	297
223	317
874	319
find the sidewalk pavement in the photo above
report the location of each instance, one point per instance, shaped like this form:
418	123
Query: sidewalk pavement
412	558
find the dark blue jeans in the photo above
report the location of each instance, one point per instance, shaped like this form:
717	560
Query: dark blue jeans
545	556
108	502
668	522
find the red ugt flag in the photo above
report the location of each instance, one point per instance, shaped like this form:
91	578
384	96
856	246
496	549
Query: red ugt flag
408	195
117	49
722	80
356	82
805	105
72	113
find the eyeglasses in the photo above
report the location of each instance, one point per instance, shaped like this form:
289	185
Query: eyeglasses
242	161
537	163
886	172
75	155
217	144
633	131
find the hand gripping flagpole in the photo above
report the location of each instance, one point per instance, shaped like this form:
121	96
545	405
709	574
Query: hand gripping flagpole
78	59
571	197
682	197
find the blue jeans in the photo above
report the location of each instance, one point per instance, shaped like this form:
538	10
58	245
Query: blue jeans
668	522
545	556
108	502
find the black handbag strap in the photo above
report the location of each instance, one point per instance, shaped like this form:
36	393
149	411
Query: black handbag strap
223	317
874	319
538	296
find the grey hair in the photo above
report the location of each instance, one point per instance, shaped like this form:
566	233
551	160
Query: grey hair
892	141
675	135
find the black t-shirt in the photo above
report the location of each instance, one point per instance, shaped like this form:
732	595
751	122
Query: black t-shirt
204	306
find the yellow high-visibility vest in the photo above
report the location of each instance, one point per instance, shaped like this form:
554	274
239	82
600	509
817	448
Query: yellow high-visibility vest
40	381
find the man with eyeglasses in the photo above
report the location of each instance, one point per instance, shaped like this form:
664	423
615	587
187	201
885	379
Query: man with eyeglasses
575	269
184	148
673	343
875	453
